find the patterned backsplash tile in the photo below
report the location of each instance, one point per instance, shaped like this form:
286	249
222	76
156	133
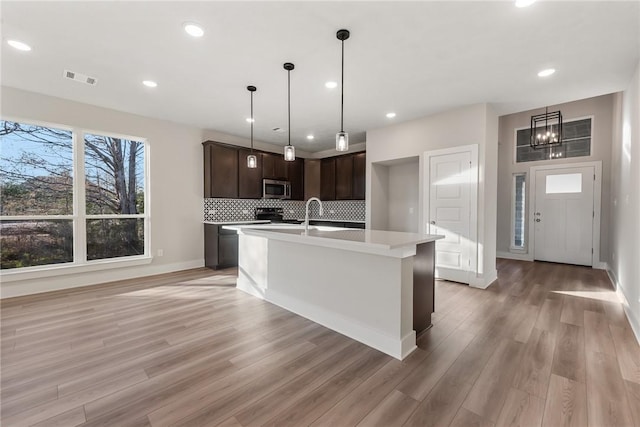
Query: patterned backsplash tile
225	210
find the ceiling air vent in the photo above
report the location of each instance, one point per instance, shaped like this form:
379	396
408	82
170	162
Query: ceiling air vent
82	78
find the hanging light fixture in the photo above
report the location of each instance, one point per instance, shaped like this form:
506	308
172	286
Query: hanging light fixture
546	129
289	150
342	137
252	160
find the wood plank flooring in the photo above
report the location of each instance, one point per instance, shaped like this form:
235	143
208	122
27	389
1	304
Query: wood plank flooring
547	344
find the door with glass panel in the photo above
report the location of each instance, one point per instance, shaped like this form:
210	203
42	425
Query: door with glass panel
563	215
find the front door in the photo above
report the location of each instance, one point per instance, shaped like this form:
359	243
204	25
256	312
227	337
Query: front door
449	213
563	215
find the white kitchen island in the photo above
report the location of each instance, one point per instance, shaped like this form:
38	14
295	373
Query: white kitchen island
361	283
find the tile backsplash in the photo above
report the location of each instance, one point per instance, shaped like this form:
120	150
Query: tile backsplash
224	210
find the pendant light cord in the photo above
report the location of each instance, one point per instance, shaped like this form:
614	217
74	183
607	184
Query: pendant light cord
252	122
342	92
289	103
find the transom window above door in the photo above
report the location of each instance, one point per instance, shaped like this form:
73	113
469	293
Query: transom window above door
576	142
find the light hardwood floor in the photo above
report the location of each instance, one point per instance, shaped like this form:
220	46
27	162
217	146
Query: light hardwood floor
546	344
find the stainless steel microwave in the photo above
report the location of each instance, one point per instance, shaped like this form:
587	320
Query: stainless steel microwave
275	189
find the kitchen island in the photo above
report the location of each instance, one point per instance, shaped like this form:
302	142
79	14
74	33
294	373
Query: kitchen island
373	286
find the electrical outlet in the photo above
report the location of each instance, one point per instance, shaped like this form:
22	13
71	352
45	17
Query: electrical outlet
160	252
411	210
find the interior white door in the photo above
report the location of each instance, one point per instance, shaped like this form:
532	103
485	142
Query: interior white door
449	214
563	215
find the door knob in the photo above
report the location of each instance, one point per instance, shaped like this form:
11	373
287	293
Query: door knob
537	219
433	222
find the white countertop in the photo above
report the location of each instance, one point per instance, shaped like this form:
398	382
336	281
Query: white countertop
333	220
264	221
340	238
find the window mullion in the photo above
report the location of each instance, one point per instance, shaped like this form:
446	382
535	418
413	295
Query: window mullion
79	198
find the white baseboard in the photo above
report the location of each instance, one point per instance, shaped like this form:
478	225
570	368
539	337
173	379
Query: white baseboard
511	255
485	280
633	320
36	286
601	266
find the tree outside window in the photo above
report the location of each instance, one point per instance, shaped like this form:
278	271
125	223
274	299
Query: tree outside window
38	211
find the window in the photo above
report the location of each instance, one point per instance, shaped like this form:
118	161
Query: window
563	183
518	212
69	196
576	142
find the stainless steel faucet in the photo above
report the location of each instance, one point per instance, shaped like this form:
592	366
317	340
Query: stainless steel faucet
306	213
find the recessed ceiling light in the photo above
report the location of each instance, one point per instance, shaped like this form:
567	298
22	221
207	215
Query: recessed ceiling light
250	120
19	45
547	72
310	137
524	3
391	115
193	30
149	83
331	85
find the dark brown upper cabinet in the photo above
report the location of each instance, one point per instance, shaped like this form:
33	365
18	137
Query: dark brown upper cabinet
328	179
249	180
220	170
359	176
274	166
350	176
295	175
311	178
344	177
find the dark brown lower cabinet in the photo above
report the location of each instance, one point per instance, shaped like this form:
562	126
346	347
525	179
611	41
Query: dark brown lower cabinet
220	247
423	286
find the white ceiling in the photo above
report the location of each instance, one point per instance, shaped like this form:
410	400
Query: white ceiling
413	58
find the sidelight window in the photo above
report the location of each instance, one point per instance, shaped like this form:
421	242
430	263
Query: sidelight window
518	212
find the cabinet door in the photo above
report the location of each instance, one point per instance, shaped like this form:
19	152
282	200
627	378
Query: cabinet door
249	180
328	179
359	176
295	174
221	171
311	178
227	250
344	177
274	166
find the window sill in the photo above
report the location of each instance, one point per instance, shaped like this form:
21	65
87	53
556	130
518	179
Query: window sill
40	272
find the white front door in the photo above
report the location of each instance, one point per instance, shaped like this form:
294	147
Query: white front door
450	183
563	215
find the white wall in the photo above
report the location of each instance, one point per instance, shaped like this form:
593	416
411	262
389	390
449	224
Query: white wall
403	197
176	185
624	206
476	124
601	109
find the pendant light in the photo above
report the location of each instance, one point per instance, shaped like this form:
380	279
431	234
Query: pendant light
342	137
289	150
546	129
252	160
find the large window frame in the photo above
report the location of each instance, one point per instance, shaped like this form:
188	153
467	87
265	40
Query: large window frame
79	217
